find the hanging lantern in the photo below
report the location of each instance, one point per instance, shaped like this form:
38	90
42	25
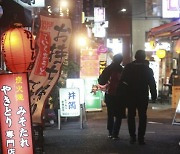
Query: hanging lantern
161	53
177	46
18	49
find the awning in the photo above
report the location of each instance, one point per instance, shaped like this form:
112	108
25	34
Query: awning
170	30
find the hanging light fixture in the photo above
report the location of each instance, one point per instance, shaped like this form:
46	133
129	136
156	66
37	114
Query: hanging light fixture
18	49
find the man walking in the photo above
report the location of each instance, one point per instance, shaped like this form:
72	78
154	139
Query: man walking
115	111
139	79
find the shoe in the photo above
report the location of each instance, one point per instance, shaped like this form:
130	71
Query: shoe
132	140
141	142
115	138
110	136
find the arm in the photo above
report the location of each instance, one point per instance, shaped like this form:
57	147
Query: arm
152	85
104	77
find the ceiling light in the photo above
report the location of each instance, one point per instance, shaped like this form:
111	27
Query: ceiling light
123	10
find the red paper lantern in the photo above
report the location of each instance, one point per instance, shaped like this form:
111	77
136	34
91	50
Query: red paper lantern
18	49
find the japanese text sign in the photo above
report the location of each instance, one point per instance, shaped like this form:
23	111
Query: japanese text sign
53	47
77	83
89	61
16	130
69	102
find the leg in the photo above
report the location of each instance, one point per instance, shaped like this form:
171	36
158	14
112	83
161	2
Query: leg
142	113
117	124
132	123
110	120
110	116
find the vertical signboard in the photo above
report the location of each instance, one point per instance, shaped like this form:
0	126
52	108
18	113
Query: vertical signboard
16	130
69	102
53	45
89	61
175	96
170	8
99	14
102	66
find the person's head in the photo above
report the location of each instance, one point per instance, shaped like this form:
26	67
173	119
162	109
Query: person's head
117	58
140	55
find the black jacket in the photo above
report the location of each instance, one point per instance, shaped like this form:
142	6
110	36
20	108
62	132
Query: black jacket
112	75
139	79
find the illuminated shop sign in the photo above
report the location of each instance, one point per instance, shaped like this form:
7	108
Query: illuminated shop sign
170	9
89	62
115	44
99	14
99	30
16	132
163	45
102	66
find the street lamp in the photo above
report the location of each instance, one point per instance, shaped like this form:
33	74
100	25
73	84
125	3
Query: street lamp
82	41
64	3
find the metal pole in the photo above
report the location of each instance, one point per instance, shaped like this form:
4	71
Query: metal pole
59	119
81	119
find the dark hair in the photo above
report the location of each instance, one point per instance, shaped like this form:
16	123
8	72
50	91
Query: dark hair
140	55
117	58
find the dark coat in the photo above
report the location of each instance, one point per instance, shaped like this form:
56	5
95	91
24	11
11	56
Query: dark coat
139	79
112	75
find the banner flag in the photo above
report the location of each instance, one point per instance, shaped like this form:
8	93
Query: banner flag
16	128
53	44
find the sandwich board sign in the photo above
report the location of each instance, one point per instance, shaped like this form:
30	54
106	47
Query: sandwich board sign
69	102
176	119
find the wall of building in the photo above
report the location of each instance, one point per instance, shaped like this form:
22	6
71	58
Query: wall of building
139	29
120	25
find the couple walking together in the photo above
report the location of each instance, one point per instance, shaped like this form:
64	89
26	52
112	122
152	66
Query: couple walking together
128	87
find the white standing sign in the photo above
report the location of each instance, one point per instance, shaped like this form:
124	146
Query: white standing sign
69	102
77	83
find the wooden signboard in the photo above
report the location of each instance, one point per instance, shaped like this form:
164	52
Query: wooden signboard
176	119
175	96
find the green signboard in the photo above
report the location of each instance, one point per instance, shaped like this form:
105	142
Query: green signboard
93	101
